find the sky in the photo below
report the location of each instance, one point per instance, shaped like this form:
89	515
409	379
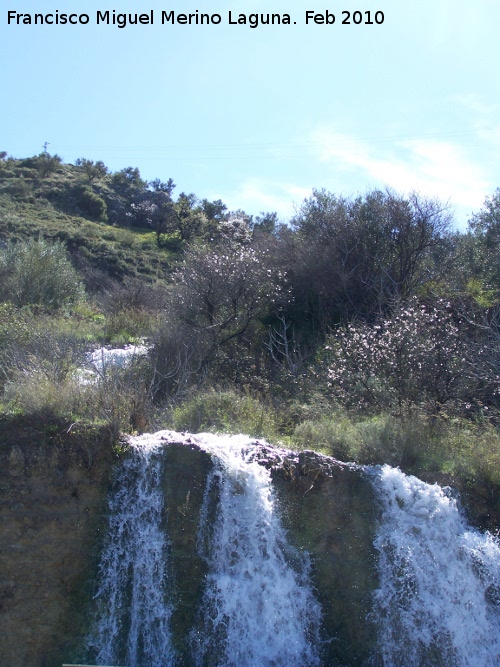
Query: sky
258	117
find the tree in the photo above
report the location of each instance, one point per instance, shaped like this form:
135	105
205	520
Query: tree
91	204
356	257
265	223
486	223
417	356
128	182
219	294
190	219
235	228
38	272
93	170
156	210
159	186
214	210
485	228
46	164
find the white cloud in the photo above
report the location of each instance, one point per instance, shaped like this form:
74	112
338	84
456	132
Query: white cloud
483	117
460	174
255	195
433	168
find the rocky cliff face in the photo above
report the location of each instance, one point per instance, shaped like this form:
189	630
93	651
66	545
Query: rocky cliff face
53	485
328	510
53	481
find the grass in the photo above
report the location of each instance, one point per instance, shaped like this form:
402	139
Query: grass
121	252
119	399
225	411
458	453
417	444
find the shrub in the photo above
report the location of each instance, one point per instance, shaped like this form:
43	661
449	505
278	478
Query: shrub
371	440
19	188
44	389
176	357
221	293
38	272
225	411
333	435
91	204
415	357
93	170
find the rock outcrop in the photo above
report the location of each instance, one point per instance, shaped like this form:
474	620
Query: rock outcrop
53	516
328	509
53	485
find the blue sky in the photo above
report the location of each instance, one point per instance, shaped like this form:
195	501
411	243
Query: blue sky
259	117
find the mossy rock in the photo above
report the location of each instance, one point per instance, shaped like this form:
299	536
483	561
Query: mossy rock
329	510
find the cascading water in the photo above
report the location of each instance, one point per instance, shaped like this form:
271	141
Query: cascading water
103	358
134	610
439	597
436	603
258	610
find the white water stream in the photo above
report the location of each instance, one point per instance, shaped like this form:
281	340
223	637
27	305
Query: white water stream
259	608
134	610
100	361
104	357
439	597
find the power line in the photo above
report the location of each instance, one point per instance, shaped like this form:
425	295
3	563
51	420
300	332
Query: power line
378	139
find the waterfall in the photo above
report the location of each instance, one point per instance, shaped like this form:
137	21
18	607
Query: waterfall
439	597
103	358
132	626
259	608
437	594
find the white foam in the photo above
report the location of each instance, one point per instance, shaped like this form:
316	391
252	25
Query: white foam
133	618
103	357
259	611
439	595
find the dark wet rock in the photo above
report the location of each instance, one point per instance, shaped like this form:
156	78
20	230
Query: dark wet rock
330	511
53	486
185	474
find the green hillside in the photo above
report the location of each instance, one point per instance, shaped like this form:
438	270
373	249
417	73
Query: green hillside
367	328
90	217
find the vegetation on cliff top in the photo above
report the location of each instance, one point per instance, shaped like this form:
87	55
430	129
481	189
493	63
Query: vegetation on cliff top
365	327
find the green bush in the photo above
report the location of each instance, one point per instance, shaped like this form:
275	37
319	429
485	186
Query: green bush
91	204
368	441
13	326
334	436
225	411
465	453
38	272
44	164
18	188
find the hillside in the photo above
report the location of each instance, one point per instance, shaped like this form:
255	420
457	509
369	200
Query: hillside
89	217
366	328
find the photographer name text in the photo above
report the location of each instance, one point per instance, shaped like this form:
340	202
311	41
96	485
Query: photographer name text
170	18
